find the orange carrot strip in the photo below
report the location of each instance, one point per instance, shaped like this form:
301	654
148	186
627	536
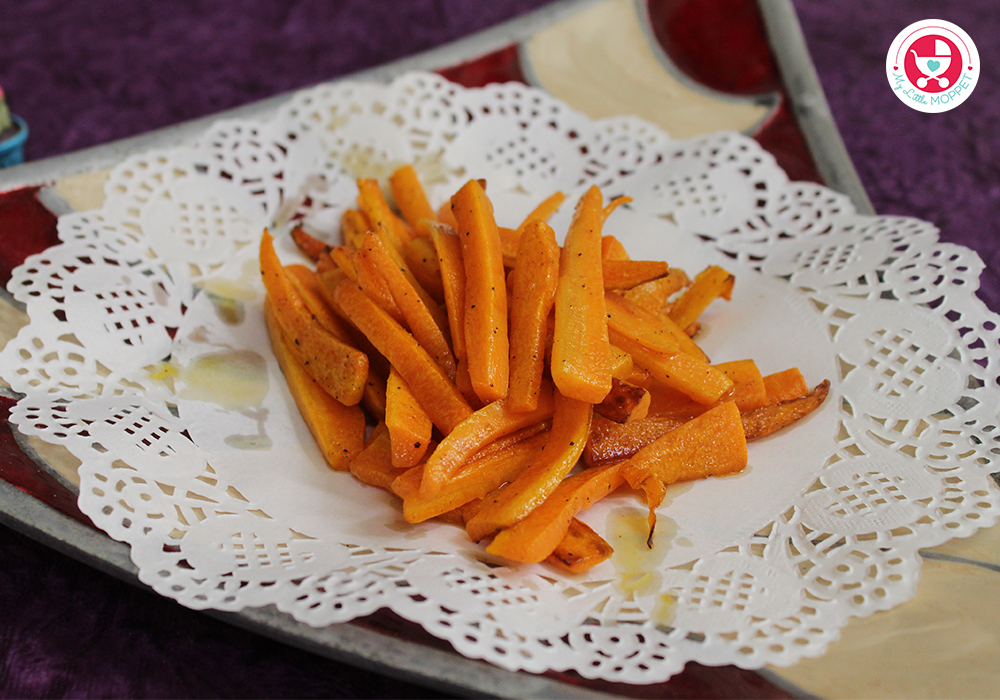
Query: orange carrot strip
486	340
612	249
374	206
353	227
422	259
536	536
449	252
476	479
373	465
653	295
410	196
621	362
625	274
310	289
439	397
749	391
336	366
416	313
341	257
579	365
680	371
570	427
339	430
445	215
614	204
408	423
709	284
510	239
638	325
711	444
545	210
785	385
534	279
611	441
308	244
370	279
492	421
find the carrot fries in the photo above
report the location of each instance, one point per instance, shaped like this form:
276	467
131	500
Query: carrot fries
511	382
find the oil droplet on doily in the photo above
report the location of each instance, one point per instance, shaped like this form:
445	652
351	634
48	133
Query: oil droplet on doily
229	297
260	441
234	379
637	564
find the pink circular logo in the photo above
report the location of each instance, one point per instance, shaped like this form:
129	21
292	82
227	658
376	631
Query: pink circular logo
932	65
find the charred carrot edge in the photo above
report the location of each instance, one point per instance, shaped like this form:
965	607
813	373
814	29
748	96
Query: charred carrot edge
580	549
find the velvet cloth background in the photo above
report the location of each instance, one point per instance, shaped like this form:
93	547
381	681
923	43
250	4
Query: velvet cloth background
90	72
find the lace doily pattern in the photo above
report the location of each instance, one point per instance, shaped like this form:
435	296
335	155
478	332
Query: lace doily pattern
146	356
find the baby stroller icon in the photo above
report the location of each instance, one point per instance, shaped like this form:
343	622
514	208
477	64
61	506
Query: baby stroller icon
933	66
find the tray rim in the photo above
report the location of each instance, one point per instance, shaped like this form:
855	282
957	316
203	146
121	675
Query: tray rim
361	647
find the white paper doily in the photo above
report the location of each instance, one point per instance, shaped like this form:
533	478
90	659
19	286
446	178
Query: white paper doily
147	357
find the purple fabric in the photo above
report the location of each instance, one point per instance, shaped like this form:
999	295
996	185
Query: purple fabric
86	73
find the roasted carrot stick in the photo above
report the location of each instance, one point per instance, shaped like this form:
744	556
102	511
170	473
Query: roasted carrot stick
536	536
580	549
410	196
476	479
712	443
306	282
487	344
421	257
449	252
372	203
534	280
625	274
570	427
417	314
438	395
579	363
708	285
785	385
765	420
335	365
339	430
309	244
511	238
490	422
638	325
408	423
373	465
353	227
